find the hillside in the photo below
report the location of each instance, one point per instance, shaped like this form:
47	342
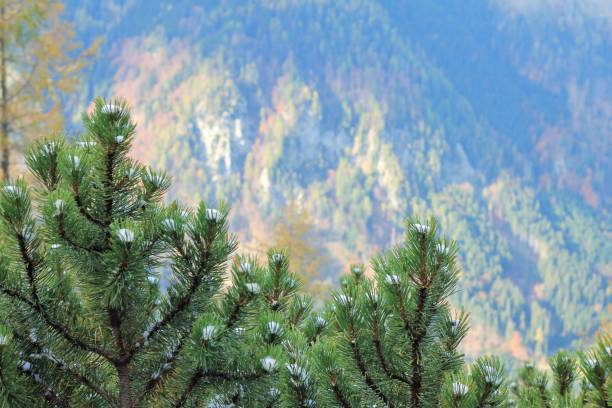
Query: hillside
495	119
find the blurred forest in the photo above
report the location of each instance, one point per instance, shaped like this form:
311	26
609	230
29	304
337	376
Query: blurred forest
494	116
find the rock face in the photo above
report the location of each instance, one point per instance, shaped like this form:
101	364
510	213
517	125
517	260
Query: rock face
368	111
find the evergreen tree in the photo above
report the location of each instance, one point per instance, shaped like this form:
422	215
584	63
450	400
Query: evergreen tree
110	298
560	387
393	338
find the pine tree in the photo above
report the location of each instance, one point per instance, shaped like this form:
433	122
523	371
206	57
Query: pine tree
111	298
561	388
392	341
393	338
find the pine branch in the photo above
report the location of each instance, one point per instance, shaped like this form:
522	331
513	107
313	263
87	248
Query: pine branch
70	241
156	380
63	367
274	299
484	396
115	324
81	207
358	359
49	394
109	188
402	309
37	305
379	351
415	346
215	376
235	312
193	382
419	329
340	398
183	303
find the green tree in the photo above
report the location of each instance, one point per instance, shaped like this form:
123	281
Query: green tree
110	298
393	338
581	380
39	63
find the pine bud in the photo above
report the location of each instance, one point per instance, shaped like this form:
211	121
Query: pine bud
246	267
86	144
75	161
299	374
213	215
119	139
209	332
132	173
491	375
459	389
320	322
59	206
277	257
454	326
357	270
420	228
274	328
392	279
590	362
274	392
125	235
442	249
28	232
13	190
269	364
110	109
169	224
344	300
4	339
49	148
239	331
56	246
252	288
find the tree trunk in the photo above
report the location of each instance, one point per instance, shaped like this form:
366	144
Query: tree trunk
125	388
4	124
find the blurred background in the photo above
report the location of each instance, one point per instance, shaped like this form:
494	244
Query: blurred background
325	123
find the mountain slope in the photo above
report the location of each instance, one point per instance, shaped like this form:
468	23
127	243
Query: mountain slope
367	111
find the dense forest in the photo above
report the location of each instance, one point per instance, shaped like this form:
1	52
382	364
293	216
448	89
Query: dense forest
493	116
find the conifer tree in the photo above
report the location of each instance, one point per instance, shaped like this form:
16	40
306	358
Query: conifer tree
111	298
581	380
295	232
393	338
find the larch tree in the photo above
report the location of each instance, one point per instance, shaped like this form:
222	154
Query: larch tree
295	232
39	63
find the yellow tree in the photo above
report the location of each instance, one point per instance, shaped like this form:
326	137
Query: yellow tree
39	63
296	233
